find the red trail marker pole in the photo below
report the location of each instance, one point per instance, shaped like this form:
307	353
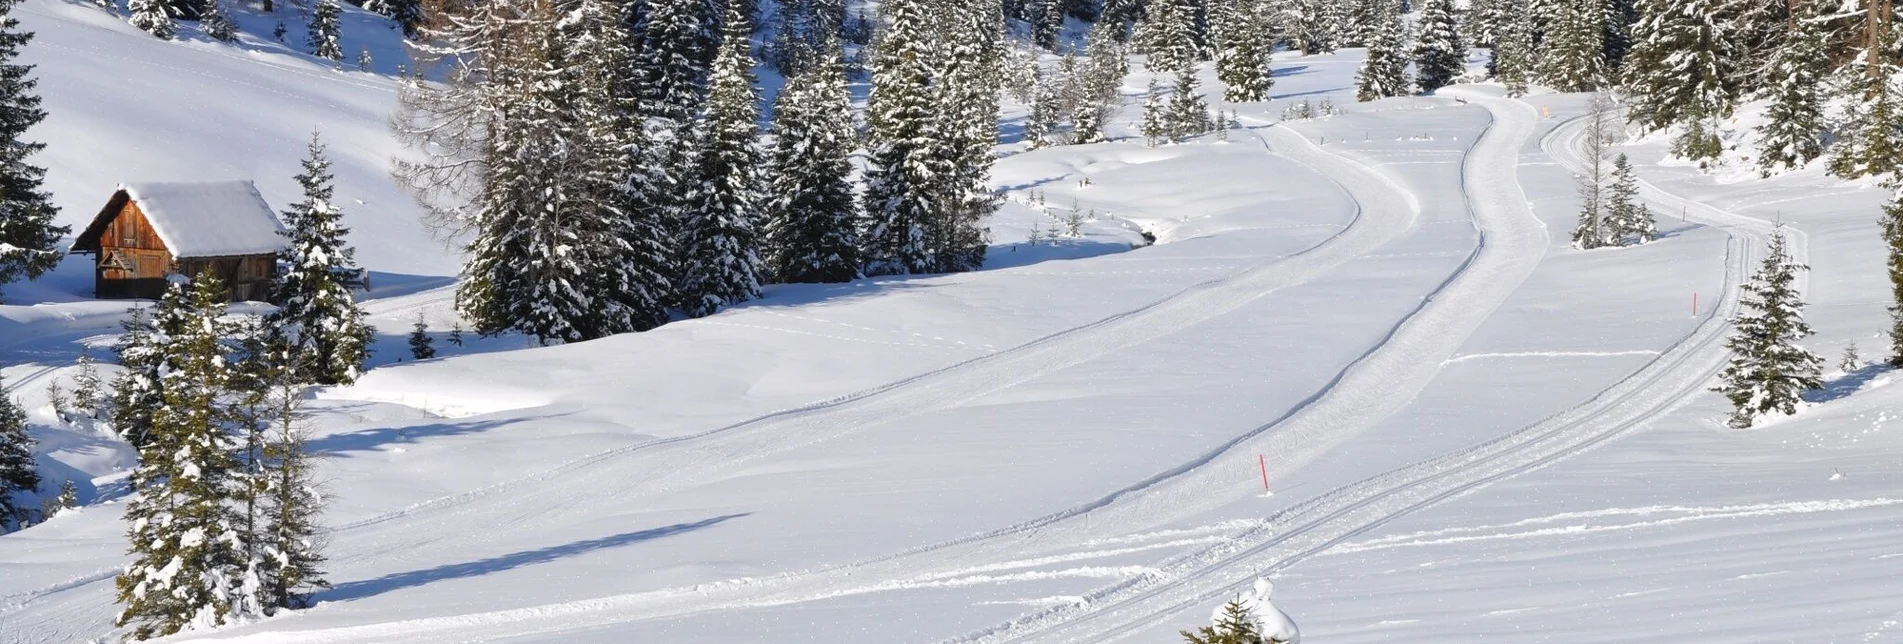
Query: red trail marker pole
1263	462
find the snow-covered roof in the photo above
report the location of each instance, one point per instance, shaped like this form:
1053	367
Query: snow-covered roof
207	218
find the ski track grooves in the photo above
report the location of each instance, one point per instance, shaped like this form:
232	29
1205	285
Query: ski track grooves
1386	211
1197	580
688	458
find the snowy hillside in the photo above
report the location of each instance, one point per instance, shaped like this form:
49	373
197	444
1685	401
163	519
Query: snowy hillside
1468	430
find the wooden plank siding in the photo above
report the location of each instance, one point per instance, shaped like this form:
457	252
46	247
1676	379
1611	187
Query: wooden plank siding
133	261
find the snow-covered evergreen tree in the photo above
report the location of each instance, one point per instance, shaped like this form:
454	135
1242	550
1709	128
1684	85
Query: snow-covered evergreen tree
1870	133
677	43
291	503
1595	229
325	32
1383	72
902	192
1312	25
408	14
1618	18
319	322
971	64
138	392
422	344
1233	625
188	555
1892	222
1627	217
1485	20
1769	371
1792	133
1439	53
1680	66
153	16
1165	36
17	472
1243	45
88	390
28	237
1573	54
215	24
812	215
1099	84
1187	114
1155	127
1513	54
720	247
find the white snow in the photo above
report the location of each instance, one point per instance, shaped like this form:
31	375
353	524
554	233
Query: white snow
1473	432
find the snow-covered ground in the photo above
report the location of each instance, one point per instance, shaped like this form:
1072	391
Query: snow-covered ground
1470	430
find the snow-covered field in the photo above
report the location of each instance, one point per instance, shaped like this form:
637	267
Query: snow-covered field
1471	432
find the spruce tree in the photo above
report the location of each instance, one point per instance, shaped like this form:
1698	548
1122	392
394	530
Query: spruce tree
1869	137
88	389
1619	17
1680	66
1769	371
1892	223
291	503
320	323
153	16
902	195
812	229
407	14
188	555
17	473
324	31
1792	133
1574	51
1234	625
422	345
1188	114
1383	72
1165	37
139	390
1627	217
1439	53
1312	26
214	23
1100	85
671	68
971	64
1513	54
720	249
28	238
1243	47
1485	21
1155	126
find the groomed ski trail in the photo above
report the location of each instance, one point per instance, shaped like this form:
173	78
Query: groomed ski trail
1191	583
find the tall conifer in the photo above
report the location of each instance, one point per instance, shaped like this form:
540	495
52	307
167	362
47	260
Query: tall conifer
812	217
1439	52
1769	371
720	248
28	238
318	320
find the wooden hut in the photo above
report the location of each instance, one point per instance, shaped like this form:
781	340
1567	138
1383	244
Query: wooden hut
148	231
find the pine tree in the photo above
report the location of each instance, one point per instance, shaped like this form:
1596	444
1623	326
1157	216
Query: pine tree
1680	66
812	216
1792	134
214	23
971	63
1574	51
1892	222
903	139
189	557
1769	372
153	16
291	502
17	471
721	247
1628	218
320	324
1155	115
1619	17
1099	85
1187	115
677	44
28	238
88	390
1869	137
139	390
407	14
1312	27
1234	625
1485	21
1513	54
324	31
1243	47
1439	53
1165	37
422	346
1383	72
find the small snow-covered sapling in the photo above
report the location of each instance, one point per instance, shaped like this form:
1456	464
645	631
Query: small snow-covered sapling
422	346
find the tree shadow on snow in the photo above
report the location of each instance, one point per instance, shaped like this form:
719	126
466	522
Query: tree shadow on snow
375	438
1845	385
398	581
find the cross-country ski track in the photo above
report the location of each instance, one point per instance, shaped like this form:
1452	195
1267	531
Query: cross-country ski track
1363	394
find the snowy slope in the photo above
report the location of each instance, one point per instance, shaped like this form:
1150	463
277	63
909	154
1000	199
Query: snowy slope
1470	430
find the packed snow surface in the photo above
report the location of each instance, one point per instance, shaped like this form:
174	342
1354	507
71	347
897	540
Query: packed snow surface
1468	431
